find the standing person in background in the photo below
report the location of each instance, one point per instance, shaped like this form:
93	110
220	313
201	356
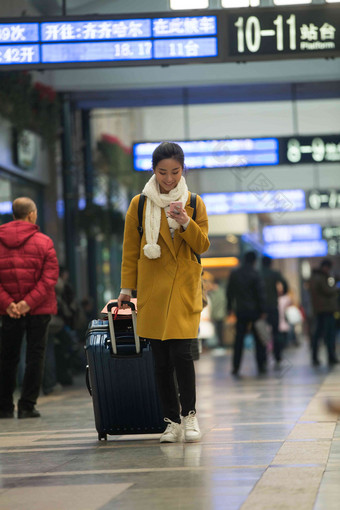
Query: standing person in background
163	267
273	283
206	330
324	295
284	301
245	297
28	274
218	304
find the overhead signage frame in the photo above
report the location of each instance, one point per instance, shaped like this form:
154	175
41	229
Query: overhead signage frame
240	35
247	152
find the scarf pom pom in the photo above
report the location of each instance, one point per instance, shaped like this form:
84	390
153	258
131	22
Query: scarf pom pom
152	251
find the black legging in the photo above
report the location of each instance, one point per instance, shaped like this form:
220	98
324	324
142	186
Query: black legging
171	355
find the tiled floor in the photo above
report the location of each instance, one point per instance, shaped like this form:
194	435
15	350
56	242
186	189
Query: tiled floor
269	444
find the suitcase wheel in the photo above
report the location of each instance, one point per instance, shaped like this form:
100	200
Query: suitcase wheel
102	436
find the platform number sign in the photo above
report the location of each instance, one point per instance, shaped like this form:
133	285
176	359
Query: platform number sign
284	33
250	34
310	149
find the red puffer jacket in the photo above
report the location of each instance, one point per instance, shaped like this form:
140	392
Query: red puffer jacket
28	268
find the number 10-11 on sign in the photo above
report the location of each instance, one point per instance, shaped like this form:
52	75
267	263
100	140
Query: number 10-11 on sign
250	33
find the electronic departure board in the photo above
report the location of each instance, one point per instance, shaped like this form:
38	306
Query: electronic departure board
243	152
203	154
224	35
66	43
284	241
296	249
290	233
280	201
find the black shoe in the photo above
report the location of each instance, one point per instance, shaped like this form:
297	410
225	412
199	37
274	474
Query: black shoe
28	413
316	362
333	361
6	414
262	370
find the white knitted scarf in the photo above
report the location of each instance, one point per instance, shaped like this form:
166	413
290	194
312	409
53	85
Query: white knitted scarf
156	201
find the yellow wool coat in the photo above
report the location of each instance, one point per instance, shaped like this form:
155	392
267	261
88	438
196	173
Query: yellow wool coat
169	294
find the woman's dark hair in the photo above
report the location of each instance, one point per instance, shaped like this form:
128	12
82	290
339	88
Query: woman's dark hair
285	287
168	150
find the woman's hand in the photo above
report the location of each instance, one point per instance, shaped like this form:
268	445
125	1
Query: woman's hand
123	297
180	215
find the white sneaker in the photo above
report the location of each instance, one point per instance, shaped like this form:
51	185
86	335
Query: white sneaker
173	433
192	431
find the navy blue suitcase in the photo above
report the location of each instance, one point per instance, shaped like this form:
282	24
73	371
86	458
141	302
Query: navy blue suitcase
120	377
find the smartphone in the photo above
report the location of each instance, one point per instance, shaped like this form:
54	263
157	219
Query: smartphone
174	206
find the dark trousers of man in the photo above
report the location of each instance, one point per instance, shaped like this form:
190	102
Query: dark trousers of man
175	357
219	327
273	321
13	331
242	324
326	328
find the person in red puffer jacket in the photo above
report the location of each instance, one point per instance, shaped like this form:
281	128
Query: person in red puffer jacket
28	274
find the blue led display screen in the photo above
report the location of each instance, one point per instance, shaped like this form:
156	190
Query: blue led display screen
128	29
216	153
296	249
6	207
186	48
19	32
235	36
97	51
95	30
289	233
251	202
245	152
188	26
128	50
109	41
19	54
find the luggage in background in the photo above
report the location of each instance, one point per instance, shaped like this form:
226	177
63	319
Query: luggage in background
120	377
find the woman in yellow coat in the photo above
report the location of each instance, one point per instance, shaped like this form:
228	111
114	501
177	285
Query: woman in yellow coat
163	267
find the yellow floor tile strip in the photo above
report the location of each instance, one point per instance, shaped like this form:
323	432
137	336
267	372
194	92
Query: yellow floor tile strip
293	478
75	497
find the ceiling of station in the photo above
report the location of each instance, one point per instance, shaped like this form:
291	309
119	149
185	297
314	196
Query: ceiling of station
105	87
204	83
165	96
55	7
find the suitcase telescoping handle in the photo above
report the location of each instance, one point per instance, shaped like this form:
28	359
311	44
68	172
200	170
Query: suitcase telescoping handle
114	304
